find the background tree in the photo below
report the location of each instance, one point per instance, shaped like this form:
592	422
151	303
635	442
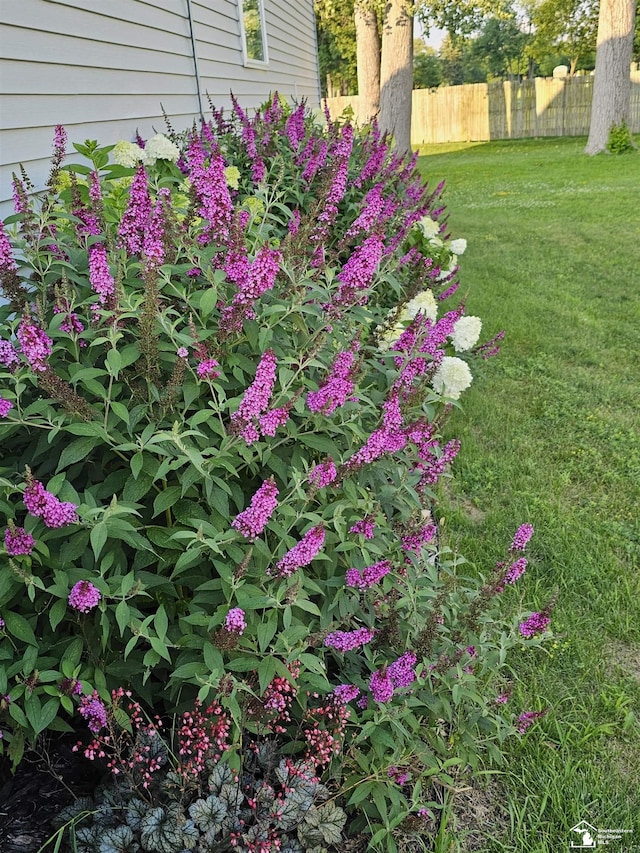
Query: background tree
396	72
565	28
427	68
368	53
501	48
612	81
336	47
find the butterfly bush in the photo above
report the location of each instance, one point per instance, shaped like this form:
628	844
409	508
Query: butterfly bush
226	358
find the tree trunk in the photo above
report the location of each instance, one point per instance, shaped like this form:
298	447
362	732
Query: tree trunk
368	61
612	79
396	73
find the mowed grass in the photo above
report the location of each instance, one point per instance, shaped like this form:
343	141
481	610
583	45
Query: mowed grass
551	435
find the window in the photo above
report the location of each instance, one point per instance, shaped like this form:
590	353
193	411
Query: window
254	34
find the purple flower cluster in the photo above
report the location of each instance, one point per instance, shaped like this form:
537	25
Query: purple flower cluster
356	275
153	241
8	356
36	346
207	369
323	473
365	527
369	576
273	419
72	325
381	686
537	623
42	504
515	570
100	276
372	207
84	596
522	536
345	693
379	443
94	712
401	672
252	521
7	263
306	550
235	622
212	192
527	719
347	641
18	541
413	542
256	398
134	220
398	774
294	128
5	407
338	387
252	280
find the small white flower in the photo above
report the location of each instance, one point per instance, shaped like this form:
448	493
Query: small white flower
466	332
161	148
458	246
128	154
452	377
429	226
424	303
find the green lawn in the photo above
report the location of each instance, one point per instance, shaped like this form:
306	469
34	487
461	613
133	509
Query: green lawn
551	436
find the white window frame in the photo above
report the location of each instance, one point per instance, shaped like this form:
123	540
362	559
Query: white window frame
247	60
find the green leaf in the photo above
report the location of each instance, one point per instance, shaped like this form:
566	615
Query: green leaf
57	613
267	630
76	451
208	301
122	616
161	622
99	535
160	648
19	628
166	499
213	659
266	672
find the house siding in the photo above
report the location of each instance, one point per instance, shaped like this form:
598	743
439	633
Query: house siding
104	68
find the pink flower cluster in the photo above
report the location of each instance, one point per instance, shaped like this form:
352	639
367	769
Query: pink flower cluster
515	570
347	641
207	369
323	473
136	216
202	738
357	274
413	542
256	398
526	719
346	693
8	356
5	407
252	280
94	712
365	527
84	596
100	276
399	674
18	542
42	504
522	536
252	521
369	576
302	553
235	622
7	263
537	623
338	387
35	344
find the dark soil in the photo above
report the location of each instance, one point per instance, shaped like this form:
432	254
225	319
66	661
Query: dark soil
45	782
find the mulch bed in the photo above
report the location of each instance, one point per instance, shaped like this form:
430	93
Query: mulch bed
43	785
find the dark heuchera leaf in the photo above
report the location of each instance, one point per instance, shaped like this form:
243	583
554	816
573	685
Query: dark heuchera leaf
208	814
118	840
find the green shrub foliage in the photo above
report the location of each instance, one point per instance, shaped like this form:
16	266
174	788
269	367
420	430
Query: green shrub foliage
225	360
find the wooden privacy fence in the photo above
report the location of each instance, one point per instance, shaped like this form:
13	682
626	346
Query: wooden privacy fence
483	111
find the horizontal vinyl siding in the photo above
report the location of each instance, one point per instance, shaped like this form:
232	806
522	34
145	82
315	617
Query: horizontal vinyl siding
103	68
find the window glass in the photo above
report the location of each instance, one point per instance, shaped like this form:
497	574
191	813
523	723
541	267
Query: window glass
254	30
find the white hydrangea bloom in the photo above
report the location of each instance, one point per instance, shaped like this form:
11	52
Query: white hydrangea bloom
424	303
429	226
459	246
390	337
452	377
161	148
128	154
232	177
466	332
